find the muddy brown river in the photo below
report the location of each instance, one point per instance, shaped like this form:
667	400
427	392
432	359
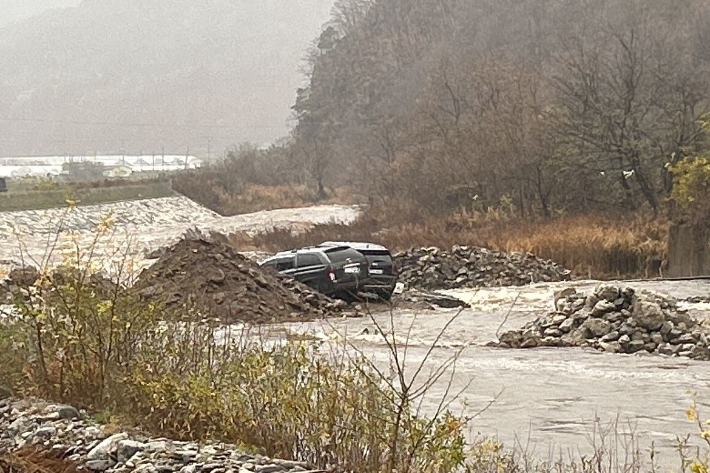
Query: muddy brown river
545	398
549	397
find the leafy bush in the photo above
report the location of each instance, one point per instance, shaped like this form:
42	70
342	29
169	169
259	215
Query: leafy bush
691	186
92	343
74	335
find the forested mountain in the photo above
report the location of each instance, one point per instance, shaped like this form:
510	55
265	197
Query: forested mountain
543	104
136	75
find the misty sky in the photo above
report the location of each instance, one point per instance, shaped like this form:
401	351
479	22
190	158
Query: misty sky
13	10
106	75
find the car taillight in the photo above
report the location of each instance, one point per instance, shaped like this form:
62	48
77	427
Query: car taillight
331	275
394	269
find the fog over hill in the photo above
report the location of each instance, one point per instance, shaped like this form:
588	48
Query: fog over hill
135	76
15	10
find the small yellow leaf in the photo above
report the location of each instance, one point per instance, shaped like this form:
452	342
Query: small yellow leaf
690	414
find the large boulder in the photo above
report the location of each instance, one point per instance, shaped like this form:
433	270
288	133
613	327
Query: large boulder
595	328
648	315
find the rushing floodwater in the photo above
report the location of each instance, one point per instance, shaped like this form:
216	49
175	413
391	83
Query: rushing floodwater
548	396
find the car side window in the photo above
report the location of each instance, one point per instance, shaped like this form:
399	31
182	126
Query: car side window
284	264
304	261
270	264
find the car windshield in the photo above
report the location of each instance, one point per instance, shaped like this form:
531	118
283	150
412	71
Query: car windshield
339	255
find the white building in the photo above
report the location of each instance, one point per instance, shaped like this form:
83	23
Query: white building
42	166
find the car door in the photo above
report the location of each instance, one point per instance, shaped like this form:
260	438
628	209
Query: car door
310	270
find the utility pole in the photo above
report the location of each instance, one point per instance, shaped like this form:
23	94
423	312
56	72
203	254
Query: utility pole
123	151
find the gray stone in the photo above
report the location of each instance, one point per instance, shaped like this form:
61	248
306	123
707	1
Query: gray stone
610	337
626	329
648	315
99	465
126	449
635	346
574	338
674	335
624	339
602	307
595	328
562	295
611	347
567	325
532	342
46	432
511	338
666	349
106	447
637	335
551	342
686	338
158	446
614	317
666	327
68	412
607	292
558	319
553	332
269	469
146	468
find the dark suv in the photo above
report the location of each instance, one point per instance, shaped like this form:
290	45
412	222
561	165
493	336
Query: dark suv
383	270
331	270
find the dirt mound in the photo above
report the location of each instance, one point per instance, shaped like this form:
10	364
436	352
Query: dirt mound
213	277
469	267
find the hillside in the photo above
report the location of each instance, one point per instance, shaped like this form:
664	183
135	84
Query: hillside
532	107
135	75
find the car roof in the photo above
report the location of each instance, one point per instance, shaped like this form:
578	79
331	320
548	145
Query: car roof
356	245
310	249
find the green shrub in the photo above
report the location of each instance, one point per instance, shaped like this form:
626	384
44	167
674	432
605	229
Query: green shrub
691	186
93	344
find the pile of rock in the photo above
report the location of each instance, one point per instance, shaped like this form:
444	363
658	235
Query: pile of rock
617	320
86	443
212	277
467	267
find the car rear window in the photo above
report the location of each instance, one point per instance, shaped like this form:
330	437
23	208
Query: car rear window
339	255
377	255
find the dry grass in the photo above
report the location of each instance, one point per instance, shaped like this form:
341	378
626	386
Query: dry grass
592	245
31	460
256	198
248	197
